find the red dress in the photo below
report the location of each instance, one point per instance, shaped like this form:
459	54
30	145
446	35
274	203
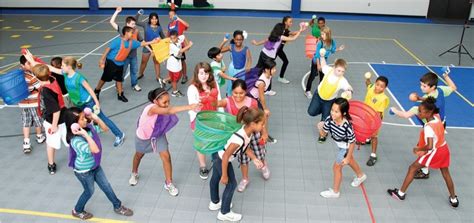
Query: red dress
439	156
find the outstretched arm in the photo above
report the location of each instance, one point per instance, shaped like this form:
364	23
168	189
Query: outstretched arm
114	16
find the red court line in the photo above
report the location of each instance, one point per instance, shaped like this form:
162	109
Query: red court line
364	192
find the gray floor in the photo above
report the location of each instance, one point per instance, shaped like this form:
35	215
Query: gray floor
301	167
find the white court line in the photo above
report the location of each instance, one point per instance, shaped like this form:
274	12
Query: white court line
64	54
64	23
414	65
97	23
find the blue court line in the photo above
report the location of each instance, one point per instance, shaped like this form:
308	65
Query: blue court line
405	79
222	12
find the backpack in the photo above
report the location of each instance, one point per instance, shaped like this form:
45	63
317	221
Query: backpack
250	77
97	156
162	125
241	149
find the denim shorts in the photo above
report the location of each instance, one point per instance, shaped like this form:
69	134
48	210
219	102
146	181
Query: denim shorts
341	154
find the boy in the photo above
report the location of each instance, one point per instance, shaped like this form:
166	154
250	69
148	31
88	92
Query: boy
51	107
29	115
114	58
378	100
57	62
429	86
174	64
176	23
218	68
131	60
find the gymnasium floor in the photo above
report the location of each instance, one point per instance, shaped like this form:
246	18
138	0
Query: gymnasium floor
301	167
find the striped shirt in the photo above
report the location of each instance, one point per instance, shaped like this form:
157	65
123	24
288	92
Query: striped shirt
342	134
33	85
84	158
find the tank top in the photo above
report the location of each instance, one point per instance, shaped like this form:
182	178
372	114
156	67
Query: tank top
146	123
254	91
232	108
238	57
438	128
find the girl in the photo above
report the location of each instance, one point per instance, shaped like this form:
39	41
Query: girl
232	104
258	92
272	45
253	121
203	89
85	153
330	47
240	56
288	22
156	119
432	151
152	31
328	89
338	124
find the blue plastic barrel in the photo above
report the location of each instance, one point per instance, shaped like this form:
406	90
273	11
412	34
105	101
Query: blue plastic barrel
13	87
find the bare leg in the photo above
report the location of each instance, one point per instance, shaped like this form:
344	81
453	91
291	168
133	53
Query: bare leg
50	153
245	171
157	68
410	174
355	166
26	132
337	170
449	181
145	58
374	142
202	159
167	168
118	84
136	161
184	68
174	85
38	130
100	85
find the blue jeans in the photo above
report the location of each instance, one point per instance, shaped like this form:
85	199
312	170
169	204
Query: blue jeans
320	106
115	130
87	180
132	61
215	180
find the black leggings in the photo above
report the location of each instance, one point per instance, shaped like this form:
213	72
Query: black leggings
314	72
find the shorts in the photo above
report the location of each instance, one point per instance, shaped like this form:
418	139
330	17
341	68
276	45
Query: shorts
112	72
144	146
436	158
258	150
341	154
145	50
174	76
54	140
30	118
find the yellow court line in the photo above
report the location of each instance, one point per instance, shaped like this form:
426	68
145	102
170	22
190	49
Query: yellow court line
54	215
426	66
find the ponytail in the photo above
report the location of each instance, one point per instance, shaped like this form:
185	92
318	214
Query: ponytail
248	115
430	104
71	61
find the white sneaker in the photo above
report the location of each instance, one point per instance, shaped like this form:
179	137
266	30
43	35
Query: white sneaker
171	189
40	138
358	180
133	179
231	216
242	185
283	80
270	93
215	207
308	94
266	172
137	88
330	194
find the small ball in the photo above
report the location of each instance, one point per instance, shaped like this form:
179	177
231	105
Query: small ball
322	52
413	96
306	24
367	75
346	95
87	111
75	127
314	17
96	109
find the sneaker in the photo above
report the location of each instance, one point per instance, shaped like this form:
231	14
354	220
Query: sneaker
372	160
283	80
242	185
97	93
122	210
171	189
203	173
215	207
368	141
231	216
161	82
52	168
420	175
177	94
454	201
270	93
330	194
184	79
137	88
40	138
140	76
271	140
266	172
133	179
394	193
121	97
26	147
119	140
83	215
308	94
358	180
321	139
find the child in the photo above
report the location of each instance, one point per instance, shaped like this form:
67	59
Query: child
85	154
338	124
131	60
316	24
222	171
218	68
174	64
432	151
56	62
258	92
156	119
376	99
178	24
429	86
113	60
152	31
204	90
51	108
29	106
232	104
240	56
333	82
330	46
288	22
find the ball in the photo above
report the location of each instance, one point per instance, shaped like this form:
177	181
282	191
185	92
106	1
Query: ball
245	34
141	11
390	111
87	111
346	95
314	17
413	96
306	24
75	127
322	52
227	35
367	75
96	109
